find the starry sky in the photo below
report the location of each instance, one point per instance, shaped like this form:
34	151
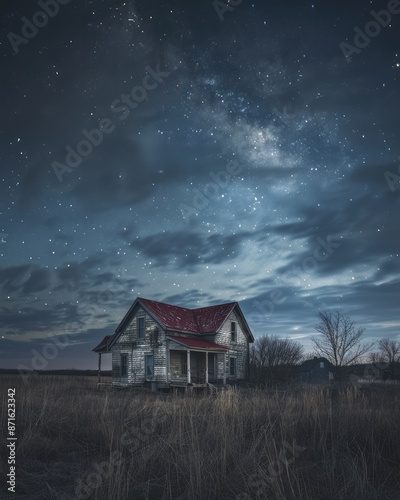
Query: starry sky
195	154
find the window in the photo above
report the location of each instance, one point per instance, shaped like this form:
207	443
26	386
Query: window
321	364
233	331
149	365
140	328
124	365
232	367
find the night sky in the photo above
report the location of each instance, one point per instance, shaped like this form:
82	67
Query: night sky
242	157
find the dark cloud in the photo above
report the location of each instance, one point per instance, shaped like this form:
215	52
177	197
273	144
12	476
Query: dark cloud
25	279
189	299
13	278
187	250
373	176
388	269
364	229
69	277
73	274
35	319
65	351
39	280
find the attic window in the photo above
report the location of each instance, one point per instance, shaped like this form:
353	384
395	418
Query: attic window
124	365
140	328
233	331
321	364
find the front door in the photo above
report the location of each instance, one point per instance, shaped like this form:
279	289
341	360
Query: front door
212	368
198	367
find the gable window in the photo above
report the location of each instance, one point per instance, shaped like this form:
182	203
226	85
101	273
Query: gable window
149	365
321	364
233	331
140	328
124	365
232	367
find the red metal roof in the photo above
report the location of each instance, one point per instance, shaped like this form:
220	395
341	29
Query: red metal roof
102	347
203	320
199	343
209	319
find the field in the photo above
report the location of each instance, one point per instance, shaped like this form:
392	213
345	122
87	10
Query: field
75	441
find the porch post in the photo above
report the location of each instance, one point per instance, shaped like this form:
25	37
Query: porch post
188	367
206	367
168	361
99	372
224	368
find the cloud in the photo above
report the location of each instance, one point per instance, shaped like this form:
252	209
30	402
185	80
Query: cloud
73	351
71	275
372	306
30	319
24	279
39	280
363	222
188	250
13	278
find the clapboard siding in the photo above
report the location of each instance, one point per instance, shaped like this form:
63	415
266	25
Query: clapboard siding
238	349
136	350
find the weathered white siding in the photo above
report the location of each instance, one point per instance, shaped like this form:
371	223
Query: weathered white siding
136	349
238	349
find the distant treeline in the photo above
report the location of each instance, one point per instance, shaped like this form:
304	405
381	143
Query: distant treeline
71	371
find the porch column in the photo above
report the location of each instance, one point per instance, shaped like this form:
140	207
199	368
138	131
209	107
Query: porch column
206	367
99	372
168	361
188	367
224	368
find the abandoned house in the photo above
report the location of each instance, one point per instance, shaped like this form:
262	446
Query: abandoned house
315	371
165	346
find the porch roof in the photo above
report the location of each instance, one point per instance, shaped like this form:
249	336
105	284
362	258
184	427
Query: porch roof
198	343
103	346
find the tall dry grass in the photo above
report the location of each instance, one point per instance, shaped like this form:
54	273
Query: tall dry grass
75	441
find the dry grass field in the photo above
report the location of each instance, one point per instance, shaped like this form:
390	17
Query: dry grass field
75	441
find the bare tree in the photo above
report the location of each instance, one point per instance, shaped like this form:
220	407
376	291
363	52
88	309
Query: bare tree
390	352
376	358
377	367
270	352
339	340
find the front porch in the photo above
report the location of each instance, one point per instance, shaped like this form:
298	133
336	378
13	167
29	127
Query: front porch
196	367
178	362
